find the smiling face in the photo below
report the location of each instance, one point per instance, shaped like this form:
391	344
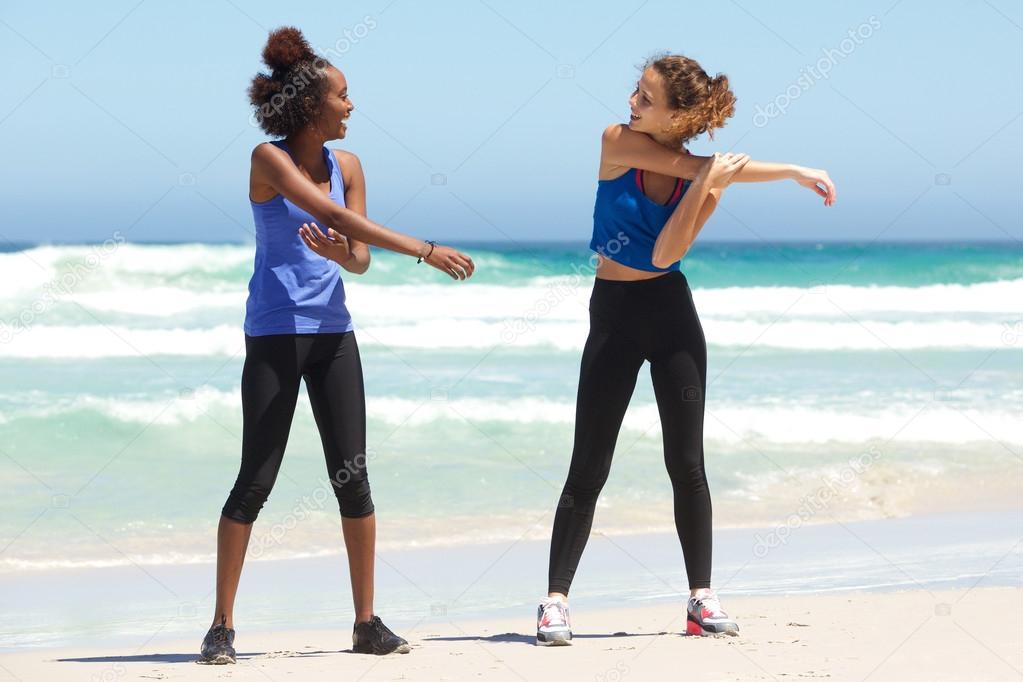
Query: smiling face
336	106
650	112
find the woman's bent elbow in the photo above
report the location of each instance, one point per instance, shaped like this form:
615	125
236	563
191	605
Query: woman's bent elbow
340	219
660	260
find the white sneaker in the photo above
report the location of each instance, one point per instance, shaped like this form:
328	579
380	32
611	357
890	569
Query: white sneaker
704	616
552	625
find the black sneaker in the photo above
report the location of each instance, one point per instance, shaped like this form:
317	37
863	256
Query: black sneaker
216	646
373	637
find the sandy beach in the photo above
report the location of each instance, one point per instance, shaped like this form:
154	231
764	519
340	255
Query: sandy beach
913	635
923	598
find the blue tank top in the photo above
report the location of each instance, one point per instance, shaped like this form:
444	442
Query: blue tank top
626	221
293	290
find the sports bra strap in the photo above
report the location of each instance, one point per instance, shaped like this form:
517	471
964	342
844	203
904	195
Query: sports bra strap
674	194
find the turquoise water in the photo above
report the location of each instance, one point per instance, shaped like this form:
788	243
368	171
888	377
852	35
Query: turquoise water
887	375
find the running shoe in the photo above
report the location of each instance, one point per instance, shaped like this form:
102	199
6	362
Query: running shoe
373	637
552	625
217	647
706	617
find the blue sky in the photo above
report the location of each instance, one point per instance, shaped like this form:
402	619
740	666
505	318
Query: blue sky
481	120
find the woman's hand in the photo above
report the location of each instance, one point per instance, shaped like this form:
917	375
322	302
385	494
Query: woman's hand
456	265
331	245
818	181
717	170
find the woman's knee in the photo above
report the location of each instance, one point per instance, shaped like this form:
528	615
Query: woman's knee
687	473
245	502
354	499
582	490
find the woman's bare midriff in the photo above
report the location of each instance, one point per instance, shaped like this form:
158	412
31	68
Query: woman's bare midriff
608	269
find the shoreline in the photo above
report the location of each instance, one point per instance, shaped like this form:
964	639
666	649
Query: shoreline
433	541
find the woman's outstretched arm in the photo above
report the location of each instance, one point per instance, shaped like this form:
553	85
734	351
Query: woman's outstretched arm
273	167
623	148
811	178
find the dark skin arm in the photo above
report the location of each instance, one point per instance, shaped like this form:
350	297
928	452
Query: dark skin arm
351	254
273	167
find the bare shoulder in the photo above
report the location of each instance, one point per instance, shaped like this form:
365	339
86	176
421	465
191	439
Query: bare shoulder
265	167
266	153
614	132
610	146
264	148
346	158
622	133
350	165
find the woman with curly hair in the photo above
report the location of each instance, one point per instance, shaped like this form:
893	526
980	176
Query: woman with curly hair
297	325
653	197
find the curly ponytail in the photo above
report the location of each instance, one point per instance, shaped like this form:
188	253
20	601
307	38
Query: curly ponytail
702	103
288	98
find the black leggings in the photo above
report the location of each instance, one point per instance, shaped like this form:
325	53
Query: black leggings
655	320
274	368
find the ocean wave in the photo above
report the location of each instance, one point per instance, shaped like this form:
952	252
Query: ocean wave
515	279
46	262
304	531
735	423
117	340
925	418
92	341
558	298
832	301
853	335
189	300
162	301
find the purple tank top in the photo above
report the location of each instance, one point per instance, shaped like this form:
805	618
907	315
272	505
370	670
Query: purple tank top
293	290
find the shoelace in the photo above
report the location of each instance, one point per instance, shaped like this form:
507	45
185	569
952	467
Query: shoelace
220	631
379	627
559	613
711	603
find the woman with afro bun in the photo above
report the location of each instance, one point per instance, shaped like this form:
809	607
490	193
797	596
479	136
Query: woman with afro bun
297	325
653	198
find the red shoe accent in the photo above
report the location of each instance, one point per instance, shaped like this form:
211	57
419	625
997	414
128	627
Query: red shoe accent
693	628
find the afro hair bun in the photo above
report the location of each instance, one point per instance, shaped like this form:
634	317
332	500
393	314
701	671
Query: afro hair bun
285	47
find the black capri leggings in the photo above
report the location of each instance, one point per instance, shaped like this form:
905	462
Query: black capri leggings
274	368
654	320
